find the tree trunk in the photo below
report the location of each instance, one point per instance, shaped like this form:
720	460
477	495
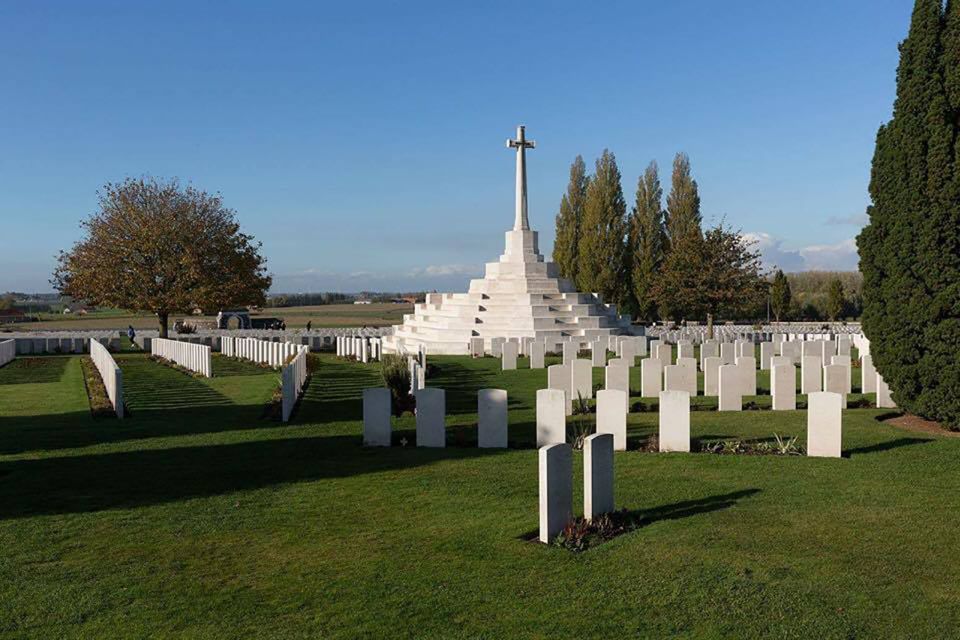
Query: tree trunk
162	318
710	326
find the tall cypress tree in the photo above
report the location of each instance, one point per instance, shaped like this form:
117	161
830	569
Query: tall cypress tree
646	245
602	243
569	220
910	250
780	295
683	203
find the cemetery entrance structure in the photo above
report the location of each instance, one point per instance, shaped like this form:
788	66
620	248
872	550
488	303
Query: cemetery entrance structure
242	316
520	296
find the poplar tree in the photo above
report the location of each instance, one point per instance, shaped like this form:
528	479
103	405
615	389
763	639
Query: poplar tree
569	220
646	242
835	299
683	203
780	295
910	249
602	246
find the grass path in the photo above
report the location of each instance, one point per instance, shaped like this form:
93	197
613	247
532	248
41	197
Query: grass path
207	521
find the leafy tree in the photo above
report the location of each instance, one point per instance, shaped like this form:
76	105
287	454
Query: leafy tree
910	249
718	273
159	247
570	219
646	242
709	274
683	204
7	302
602	246
835	300
780	295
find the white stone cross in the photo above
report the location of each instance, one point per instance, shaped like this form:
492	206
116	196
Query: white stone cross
521	144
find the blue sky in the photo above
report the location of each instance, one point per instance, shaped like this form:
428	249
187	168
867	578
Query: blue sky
363	142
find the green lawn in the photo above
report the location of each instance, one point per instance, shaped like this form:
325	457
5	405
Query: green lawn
196	517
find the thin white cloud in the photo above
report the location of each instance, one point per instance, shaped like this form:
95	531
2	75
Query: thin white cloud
445	270
841	256
440	277
855	219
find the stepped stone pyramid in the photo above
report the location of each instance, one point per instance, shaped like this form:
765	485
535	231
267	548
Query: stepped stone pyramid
520	296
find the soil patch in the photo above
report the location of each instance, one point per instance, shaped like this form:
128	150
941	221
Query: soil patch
921	425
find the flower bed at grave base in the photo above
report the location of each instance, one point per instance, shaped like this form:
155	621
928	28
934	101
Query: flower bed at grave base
100	405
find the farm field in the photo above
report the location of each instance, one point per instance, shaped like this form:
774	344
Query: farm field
219	522
322	316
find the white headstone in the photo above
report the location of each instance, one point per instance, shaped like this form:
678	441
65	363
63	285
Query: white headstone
476	347
597	475
612	416
376	417
570	352
431	417
824	417
536	355
709	349
582	379
748	374
766	354
674	421
711	376
551	417
727	352
783	387
678	377
598	354
651	377
868	375
617	378
492	418
556	489
508	357
835	377
811	374
884	399
731	388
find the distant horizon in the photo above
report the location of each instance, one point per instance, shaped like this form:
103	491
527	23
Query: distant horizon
360	292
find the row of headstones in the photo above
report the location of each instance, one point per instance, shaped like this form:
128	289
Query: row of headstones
823	420
536	350
729	332
361	348
431	417
110	374
31	346
8	351
192	356
729	383
293	378
268	352
418	370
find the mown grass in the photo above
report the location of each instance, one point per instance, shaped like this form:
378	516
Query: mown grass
203	520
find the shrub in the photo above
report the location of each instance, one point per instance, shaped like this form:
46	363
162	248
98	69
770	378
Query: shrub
395	375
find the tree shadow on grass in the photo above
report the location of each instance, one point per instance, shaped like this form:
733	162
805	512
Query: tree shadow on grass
885	446
123	480
335	393
161	401
33	370
225	366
